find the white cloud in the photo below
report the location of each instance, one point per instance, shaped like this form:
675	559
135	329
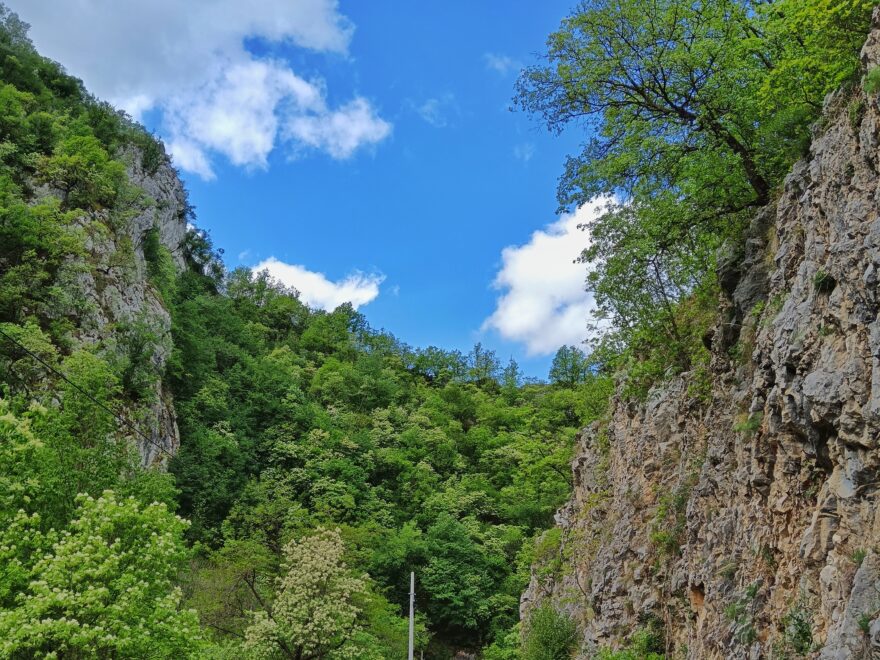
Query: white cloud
316	290
501	64
188	61
524	151
341	132
543	303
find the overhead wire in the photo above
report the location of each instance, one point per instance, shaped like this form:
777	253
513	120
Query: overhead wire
115	414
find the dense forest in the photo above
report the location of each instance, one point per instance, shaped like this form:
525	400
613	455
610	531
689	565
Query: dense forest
322	460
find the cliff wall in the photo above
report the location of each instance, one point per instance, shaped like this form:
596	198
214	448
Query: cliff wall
116	306
737	517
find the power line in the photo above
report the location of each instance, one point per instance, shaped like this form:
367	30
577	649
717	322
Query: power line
118	417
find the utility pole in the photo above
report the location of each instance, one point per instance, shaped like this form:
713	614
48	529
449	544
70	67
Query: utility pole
412	606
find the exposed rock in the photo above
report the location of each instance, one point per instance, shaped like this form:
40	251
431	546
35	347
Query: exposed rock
723	523
112	292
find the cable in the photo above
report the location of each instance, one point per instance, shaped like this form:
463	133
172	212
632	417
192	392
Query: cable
116	415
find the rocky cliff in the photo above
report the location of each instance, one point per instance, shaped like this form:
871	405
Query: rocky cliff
737	517
117	301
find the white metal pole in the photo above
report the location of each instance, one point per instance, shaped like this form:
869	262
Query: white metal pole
412	602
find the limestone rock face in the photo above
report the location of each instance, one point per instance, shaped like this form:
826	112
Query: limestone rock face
114	296
746	524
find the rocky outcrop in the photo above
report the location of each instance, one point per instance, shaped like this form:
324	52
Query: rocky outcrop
114	301
735	513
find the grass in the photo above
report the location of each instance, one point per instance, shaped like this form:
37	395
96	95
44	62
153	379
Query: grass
749	425
798	633
872	81
858	556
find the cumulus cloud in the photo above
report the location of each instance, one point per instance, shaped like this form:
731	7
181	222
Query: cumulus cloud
340	132
543	303
188	61
316	290
501	64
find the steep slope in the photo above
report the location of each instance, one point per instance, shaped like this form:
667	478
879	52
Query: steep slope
739	518
112	304
93	220
122	297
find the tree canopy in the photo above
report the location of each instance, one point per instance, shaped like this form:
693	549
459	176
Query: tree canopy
693	112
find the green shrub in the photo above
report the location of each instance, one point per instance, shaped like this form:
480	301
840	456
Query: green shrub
160	265
136	347
749	425
798	634
81	167
739	612
645	644
551	635
152	153
872	81
856	112
668	527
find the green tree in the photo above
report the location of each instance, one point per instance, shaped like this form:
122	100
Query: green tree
106	588
570	367
456	578
696	111
483	365
314	614
665	91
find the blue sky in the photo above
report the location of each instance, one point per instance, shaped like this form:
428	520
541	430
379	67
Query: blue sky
361	150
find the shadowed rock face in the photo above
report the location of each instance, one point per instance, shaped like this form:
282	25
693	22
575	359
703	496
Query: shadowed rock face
748	526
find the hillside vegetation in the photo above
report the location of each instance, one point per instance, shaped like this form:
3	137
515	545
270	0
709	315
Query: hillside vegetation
322	460
694	112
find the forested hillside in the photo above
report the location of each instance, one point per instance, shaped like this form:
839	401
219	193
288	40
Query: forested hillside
320	461
193	463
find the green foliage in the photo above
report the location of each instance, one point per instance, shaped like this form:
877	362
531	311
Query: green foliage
872	81
505	647
160	265
550	635
644	644
136	345
151	150
740	614
427	460
82	168
856	112
798	634
106	586
695	113
668	526
296	421
570	367
750	424
858	556
313	613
